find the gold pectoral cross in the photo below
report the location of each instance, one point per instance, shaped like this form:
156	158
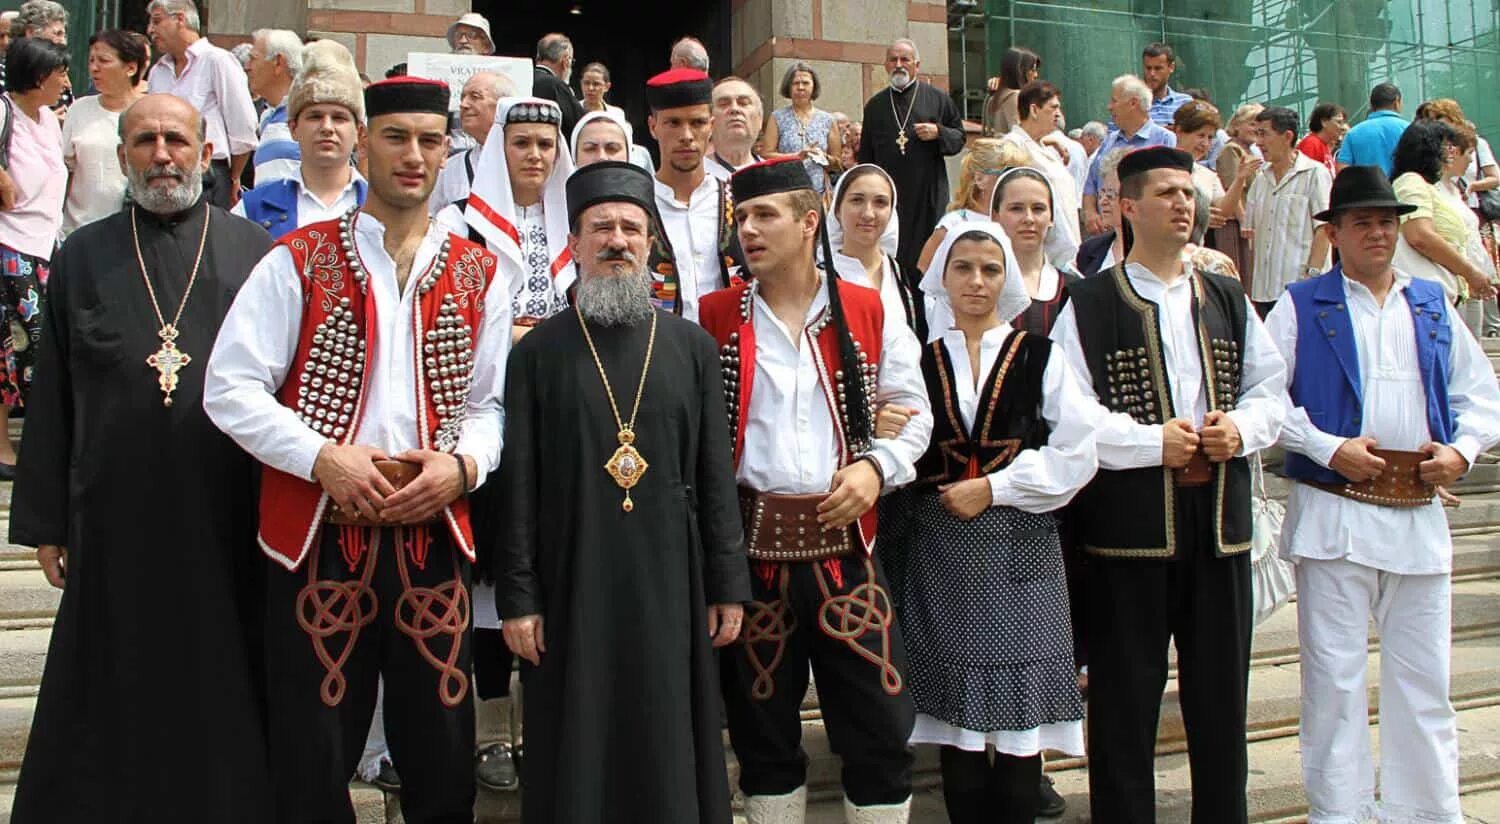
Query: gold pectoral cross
901	141
168	361
626	466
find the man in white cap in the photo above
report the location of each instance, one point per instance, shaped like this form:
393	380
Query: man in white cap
470	34
325	111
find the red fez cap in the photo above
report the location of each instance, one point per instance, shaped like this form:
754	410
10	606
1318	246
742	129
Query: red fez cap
676	88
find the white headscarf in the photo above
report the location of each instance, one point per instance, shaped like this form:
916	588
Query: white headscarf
492	208
1056	245
608	114
1013	298
892	233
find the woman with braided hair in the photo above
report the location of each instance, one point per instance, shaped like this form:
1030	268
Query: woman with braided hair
807	358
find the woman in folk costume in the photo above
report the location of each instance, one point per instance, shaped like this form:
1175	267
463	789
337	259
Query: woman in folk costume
1022	203
519	206
863	231
982	596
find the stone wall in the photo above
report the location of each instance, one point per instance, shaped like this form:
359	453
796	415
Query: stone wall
843	40
380	33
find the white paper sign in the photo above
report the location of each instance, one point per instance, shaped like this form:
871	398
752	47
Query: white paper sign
456	69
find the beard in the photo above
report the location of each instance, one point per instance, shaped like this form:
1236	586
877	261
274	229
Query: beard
900	79
167	200
620	298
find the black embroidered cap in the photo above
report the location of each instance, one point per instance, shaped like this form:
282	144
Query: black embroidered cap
609	181
1144	160
769	177
534	110
406	95
677	88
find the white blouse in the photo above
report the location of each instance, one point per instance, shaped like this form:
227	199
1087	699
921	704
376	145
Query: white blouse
1038	480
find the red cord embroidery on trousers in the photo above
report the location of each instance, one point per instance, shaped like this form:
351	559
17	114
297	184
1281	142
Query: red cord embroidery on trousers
353	545
424	613
864	609
418	541
835	570
768	623
766	571
326	608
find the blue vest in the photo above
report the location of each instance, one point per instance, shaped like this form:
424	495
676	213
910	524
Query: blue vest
1326	381
274	205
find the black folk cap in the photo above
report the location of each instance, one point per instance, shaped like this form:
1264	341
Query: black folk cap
1144	160
769	177
677	88
404	95
609	181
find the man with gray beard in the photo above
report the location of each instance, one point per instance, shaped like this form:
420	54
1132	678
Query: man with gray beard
620	564
142	512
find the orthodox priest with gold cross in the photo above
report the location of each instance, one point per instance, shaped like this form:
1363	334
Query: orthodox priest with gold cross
620	567
142	512
362	365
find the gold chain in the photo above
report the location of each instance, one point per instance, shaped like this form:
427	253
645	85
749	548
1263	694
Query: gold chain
192	278
900	122
640	390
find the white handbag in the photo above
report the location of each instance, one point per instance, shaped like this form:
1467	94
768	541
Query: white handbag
1273	579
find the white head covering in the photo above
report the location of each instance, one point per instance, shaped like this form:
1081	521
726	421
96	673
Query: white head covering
492	208
476	21
1013	298
1056	245
892	233
608	114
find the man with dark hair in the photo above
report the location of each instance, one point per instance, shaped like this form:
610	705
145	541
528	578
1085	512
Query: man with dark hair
1158	61
1390	399
114	428
808	359
696	253
1279	207
1193	385
1373	142
553	70
616	593
327	372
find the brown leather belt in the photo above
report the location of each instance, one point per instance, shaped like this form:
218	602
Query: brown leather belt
399	473
1198	472
527	321
785	528
1400	485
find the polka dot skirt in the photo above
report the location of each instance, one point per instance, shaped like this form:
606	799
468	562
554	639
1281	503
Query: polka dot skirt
983	606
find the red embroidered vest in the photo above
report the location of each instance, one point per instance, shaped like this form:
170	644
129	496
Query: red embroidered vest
328	378
728	315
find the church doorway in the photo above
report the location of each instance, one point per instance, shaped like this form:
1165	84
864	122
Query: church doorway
634	40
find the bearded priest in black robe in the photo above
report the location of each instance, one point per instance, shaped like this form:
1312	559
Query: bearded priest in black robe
620	566
142	511
909	129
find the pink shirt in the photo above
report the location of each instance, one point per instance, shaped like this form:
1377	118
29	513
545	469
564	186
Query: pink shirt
36	165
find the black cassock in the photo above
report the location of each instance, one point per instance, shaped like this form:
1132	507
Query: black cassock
150	706
623	717
920	174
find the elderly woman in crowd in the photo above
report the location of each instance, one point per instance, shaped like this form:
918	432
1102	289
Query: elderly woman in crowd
1100	252
91	135
1241	148
802	129
987	158
31	200
1436	241
1195	123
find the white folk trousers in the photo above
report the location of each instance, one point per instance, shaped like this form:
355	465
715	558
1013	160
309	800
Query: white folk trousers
1418	726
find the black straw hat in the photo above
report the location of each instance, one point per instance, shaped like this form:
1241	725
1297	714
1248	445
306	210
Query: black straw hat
1362	187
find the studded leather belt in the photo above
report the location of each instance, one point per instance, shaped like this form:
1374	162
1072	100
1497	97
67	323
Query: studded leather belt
1400	485
1198	472
399	473
785	528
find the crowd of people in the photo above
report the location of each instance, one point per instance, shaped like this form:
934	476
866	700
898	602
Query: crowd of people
375	405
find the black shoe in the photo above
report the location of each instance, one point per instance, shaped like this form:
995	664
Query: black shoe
1050	804
495	769
7	472
387	779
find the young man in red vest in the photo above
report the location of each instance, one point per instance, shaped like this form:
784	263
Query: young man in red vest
362	363
807	360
